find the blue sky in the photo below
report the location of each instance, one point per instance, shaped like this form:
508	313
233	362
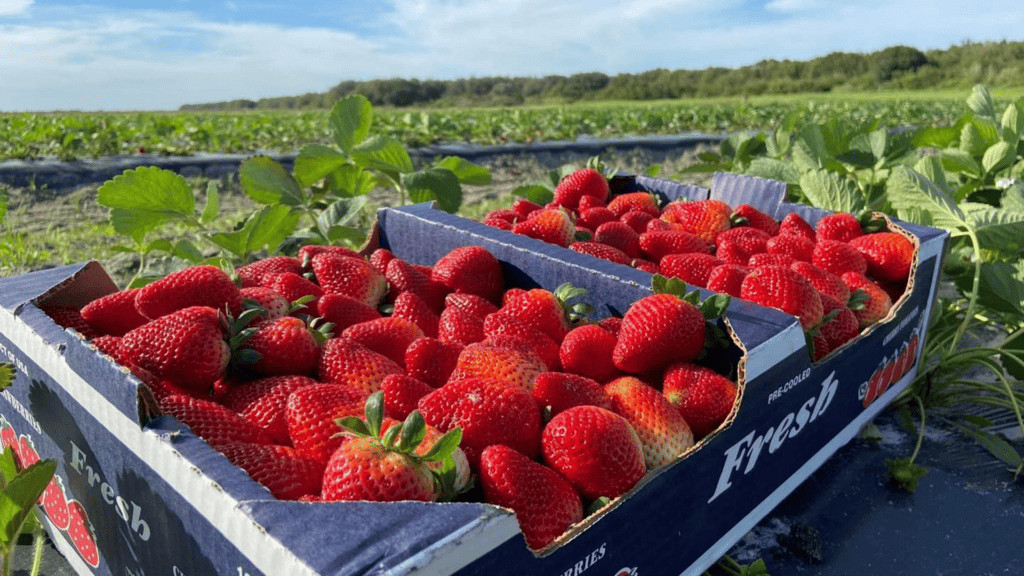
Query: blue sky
116	55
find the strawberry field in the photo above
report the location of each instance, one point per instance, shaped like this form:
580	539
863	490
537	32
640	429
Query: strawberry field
264	313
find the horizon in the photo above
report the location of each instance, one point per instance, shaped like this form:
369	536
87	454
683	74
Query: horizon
109	55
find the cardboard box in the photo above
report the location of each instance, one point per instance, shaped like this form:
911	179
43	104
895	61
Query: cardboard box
206	516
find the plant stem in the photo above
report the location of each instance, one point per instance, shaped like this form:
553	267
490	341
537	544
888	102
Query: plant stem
920	433
972	299
38	541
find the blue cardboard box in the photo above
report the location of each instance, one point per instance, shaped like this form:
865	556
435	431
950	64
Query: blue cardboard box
203	515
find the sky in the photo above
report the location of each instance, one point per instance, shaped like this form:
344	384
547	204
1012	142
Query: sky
131	55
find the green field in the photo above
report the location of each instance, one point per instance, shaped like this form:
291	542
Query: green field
88	135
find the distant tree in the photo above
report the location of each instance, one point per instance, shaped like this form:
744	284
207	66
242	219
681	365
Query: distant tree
896	59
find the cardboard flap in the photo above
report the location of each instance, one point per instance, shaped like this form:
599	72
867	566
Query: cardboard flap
761	193
669	190
73	285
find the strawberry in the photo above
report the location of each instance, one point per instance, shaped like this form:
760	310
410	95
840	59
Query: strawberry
252	274
792	245
738	245
842	327
488	412
657	244
512	366
109	345
703	218
782	288
544	310
381	466
262	402
504	214
551	226
294	287
658	224
645	266
114	314
270	302
538	342
70	318
559	391
82	534
841	226
656	331
754	218
380	258
287	345
662	431
579	183
343	361
401	394
588	202
353	277
344	311
545	504
766	259
457	326
587	350
602	251
389	336
498	223
703	397
194	286
874	302
823	281
838	258
310	412
637	220
431	360
212	422
187	347
404	276
471	304
619	235
693	268
727	279
793	223
641	201
470	270
889	255
591	218
286	473
524	207
595	449
412	308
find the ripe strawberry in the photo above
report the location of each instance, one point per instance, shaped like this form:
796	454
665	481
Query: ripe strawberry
262	402
889	255
657	244
645	266
471	304
693	268
114	314
559	391
703	218
656	331
544	502
754	218
457	326
823	281
212	422
470	270
536	341
619	235
874	301
194	286
380	258
287	345
602	251
782	288
310	413
838	258
841	328
637	220
793	223
286	473
401	394
516	367
662	431
354	277
389	336
344	311
587	350
841	226
82	534
588	202
504	214
273	304
488	412
412	308
542	309
766	259
738	245
727	279
307	252
591	218
252	274
579	183
595	449
431	360
345	362
187	347
294	287
792	245
658	224
109	345
551	226
498	223
703	397
642	201
404	276
524	207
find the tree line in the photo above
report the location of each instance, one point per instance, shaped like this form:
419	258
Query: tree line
896	67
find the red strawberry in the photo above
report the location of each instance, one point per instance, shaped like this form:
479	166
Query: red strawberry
211	421
580	183
704	397
404	276
109	345
389	336
587	350
766	259
310	412
471	304
838	258
663	432
645	266
874	302
497	223
457	326
516	367
823	281
594	217
559	391
588	202
693	268
727	279
287	345
82	534
114	314
353	277
841	226
538	342
792	223
194	286
737	245
889	255
544	502
187	347
754	218
431	360
286	473
345	362
252	274
542	309
784	289
637	220
657	244
488	412
656	331
295	287
380	258
703	218
792	245
659	224
524	207
602	251
273	304
412	308
505	214
595	449
344	311
470	270
551	226
843	326
401	394
307	252
642	201
262	402
619	235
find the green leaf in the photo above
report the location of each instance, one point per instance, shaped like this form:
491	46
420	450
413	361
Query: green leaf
467	172
774	170
187	251
385	154
1013	345
444	447
374	412
3	206
8	465
1000	288
878	140
212	208
958	161
264	229
266	181
149	189
905	474
972	142
998	447
348	234
19	496
715	306
353	424
351	180
980	101
999	155
414	430
315	162
1012	124
997	229
536	193
340	213
6	375
350	121
918	199
136	224
434	184
831	191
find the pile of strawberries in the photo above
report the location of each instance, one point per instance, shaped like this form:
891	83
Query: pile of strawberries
332	375
838	277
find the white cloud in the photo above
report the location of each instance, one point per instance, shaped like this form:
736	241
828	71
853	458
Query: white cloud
14	7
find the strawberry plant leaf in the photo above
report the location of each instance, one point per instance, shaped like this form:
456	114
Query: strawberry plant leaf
1000	288
187	251
385	154
137	224
980	101
437	184
18	498
715	306
315	162
998	447
414	430
1012	124
264	229
904	473
467	172
266	181
351	180
353	424
148	189
444	446
998	229
3	206
831	191
774	169
8	466
998	156
350	121
340	213
535	193
1013	346
918	199
957	161
390	435
212	208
